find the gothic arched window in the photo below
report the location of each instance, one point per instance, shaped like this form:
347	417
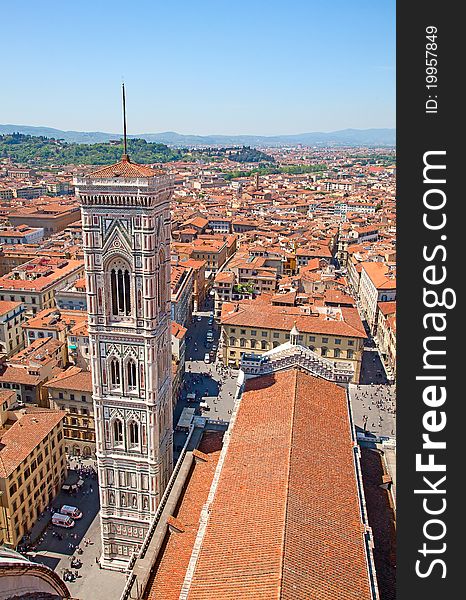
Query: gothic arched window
161	282
118	432
115	379
120	289
115	372
131	374
133	434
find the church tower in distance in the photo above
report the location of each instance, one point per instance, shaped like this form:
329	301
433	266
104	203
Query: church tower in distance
126	239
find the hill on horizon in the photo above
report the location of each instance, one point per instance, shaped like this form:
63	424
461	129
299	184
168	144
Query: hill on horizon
344	137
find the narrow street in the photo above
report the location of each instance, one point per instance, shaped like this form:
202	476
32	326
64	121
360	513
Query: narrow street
211	383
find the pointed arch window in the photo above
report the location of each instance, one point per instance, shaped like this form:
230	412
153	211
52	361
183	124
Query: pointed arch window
133	434
120	289
118	432
115	378
161	293
131	374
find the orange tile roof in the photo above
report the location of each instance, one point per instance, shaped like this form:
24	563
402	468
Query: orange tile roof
6	306
57	271
125	168
24	435
378	273
74	378
10	374
285	520
168	575
178	330
387	308
261	314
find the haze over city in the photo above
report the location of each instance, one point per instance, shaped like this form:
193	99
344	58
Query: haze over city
261	68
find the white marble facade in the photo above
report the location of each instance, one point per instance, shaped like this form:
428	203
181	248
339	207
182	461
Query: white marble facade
126	237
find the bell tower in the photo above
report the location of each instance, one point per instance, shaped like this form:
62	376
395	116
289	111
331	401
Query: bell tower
126	239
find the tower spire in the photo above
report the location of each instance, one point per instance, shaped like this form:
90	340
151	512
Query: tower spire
125	154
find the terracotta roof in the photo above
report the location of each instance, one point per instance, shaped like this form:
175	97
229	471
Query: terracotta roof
56	272
225	277
73	378
178	330
387	308
378	273
19	375
125	168
168	575
7	306
285	521
261	314
24	435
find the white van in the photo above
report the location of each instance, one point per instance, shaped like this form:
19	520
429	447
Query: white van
206	357
71	511
62	520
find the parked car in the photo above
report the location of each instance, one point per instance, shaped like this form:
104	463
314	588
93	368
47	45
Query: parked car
207	358
71	511
62	520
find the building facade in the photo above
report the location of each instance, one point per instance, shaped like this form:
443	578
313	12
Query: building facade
11	319
126	235
258	328
71	392
32	466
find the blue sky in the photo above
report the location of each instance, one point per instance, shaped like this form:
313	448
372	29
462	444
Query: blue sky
230	66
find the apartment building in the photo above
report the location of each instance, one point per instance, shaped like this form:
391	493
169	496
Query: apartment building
54	323
71	392
199	281
29	369
32	467
21	235
213	251
182	283
12	315
377	284
73	296
245	279
386	336
78	345
52	217
257	326
178	342
36	282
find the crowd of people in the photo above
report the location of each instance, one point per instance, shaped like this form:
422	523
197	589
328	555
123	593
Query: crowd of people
378	403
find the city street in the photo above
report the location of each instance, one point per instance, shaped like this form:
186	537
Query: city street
211	382
56	546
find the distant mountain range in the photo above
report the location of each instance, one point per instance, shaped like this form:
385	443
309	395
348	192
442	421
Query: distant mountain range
345	137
